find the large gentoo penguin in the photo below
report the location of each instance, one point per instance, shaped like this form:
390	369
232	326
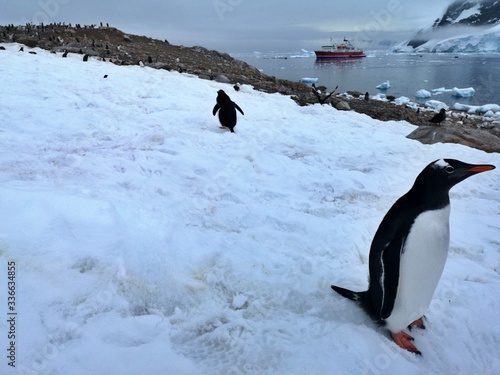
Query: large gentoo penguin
409	250
227	110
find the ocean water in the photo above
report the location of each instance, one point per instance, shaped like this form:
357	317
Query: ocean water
407	73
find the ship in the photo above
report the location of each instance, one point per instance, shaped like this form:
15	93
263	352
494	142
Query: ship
340	50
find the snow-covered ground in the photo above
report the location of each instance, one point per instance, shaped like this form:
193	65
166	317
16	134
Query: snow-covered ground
149	241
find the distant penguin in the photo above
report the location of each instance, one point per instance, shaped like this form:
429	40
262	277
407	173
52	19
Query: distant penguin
86	57
439	117
105	76
409	250
227	110
141	63
150	60
65	54
21	49
367	96
418	110
236	87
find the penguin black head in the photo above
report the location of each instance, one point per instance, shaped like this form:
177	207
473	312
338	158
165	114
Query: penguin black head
443	174
222	97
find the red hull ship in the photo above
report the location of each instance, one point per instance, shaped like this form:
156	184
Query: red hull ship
341	50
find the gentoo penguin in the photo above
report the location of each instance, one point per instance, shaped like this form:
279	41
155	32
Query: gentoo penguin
409	250
439	117
367	96
227	110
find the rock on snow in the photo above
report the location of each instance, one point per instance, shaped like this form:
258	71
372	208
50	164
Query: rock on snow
149	241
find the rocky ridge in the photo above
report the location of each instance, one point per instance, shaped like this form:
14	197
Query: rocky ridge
112	45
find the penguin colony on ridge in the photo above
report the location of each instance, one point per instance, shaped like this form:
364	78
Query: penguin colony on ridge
227	110
409	250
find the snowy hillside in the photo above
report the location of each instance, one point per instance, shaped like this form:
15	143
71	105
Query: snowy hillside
466	26
472	41
146	240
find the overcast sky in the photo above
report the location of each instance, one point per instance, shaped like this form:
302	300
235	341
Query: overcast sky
238	25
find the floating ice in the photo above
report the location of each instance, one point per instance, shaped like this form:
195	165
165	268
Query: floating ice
477	109
436	104
402	100
309	80
441	90
422	94
384	86
463	93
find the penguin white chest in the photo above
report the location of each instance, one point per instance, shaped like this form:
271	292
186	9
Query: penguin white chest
421	265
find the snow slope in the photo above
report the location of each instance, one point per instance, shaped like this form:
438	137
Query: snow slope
484	41
149	241
472	40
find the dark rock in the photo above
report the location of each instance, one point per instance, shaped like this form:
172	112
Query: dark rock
222	79
456	134
343	106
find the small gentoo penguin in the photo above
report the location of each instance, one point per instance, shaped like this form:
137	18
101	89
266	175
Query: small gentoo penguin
86	57
409	250
439	117
65	54
227	110
367	96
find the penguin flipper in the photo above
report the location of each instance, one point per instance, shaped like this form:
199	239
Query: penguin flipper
216	108
238	108
383	289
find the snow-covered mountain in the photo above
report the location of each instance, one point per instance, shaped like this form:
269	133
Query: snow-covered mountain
466	26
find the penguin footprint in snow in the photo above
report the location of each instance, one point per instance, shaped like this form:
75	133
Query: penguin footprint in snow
227	110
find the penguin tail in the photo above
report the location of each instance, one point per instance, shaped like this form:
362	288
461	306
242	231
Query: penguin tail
361	298
349	294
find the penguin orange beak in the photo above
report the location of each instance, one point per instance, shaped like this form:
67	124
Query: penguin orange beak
481	168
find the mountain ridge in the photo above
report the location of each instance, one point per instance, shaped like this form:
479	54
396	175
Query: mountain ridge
465	26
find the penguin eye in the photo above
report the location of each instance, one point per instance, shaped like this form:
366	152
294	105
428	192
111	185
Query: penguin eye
449	169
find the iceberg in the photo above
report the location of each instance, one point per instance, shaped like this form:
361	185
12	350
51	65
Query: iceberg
436	104
463	93
422	94
384	86
440	90
483	109
309	80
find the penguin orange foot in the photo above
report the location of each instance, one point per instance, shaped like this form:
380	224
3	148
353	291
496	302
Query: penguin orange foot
419	323
404	341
